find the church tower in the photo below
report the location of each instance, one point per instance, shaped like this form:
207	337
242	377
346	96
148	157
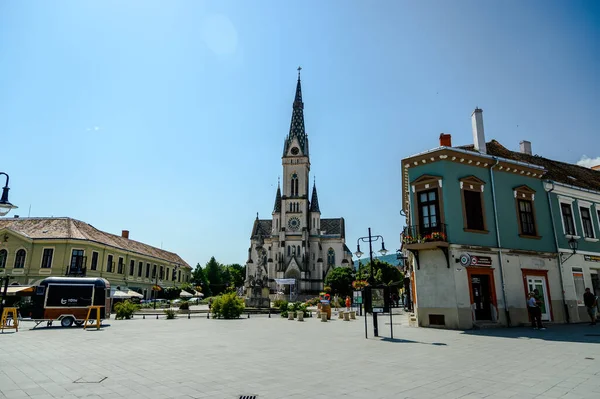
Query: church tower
293	244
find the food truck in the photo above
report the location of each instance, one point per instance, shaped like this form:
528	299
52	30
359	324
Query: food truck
66	299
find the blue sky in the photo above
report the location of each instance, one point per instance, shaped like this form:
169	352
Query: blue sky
167	118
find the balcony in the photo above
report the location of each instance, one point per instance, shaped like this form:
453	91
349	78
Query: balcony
416	238
76	272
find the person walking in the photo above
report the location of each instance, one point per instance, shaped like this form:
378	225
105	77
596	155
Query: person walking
591	302
535	312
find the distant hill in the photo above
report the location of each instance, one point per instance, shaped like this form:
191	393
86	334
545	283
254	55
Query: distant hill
389	258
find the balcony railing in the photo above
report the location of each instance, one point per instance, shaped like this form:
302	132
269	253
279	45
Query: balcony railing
76	271
419	237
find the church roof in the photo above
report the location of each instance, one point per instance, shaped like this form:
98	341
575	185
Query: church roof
314	201
297	130
262	227
333	227
277	206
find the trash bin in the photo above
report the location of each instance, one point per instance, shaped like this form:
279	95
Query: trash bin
326	308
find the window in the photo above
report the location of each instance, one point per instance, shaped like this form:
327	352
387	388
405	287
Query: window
472	203
20	259
120	267
289	251
428	211
579	284
586	222
298	250
179	278
330	257
526	218
3	256
167	274
76	260
524	200
94	264
568	221
140	267
47	258
147	270
109	263
162	273
154	271
131	267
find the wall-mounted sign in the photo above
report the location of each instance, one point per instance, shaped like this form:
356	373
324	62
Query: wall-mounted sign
472	260
591	258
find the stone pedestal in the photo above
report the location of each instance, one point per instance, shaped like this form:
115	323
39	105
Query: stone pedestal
257	297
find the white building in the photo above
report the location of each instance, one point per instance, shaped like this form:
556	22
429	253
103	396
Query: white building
296	243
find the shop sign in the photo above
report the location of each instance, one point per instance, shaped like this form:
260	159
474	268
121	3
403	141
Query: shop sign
473	260
591	258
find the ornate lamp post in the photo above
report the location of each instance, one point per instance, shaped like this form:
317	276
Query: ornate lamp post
5	207
370	238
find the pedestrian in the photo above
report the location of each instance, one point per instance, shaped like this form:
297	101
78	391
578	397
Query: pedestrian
591	302
535	312
348	303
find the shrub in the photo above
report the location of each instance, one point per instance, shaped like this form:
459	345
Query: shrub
278	302
170	313
283	307
125	309
312	302
184	305
227	306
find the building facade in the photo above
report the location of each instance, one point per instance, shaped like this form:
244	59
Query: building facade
481	234
296	242
32	249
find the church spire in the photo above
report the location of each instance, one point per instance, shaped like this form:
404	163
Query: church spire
277	206
297	124
314	201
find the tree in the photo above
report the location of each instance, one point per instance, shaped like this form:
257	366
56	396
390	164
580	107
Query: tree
340	280
384	273
199	278
237	274
213	274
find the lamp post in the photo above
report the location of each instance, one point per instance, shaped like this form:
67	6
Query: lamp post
155	286
5	207
573	245
370	238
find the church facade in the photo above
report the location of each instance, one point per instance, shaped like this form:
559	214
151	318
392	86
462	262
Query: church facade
296	243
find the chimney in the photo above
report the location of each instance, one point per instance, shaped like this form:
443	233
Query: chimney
125	234
445	140
478	135
597	167
525	147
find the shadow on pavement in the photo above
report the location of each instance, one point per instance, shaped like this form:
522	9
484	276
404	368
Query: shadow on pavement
408	341
583	333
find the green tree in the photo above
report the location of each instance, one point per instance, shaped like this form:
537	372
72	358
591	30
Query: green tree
199	279
384	273
237	275
213	272
340	280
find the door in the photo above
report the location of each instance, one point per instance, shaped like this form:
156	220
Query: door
539	283
482	298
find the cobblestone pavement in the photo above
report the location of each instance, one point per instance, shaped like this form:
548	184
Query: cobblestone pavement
277	358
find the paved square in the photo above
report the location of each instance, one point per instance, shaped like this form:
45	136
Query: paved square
277	358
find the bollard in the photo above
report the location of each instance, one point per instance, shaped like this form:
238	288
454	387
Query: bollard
189	315
269	313
144	317
156	317
248	314
208	315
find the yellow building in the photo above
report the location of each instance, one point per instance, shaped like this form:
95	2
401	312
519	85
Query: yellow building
32	249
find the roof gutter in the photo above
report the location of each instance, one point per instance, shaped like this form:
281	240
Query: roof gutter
560	264
506	312
491	157
587	190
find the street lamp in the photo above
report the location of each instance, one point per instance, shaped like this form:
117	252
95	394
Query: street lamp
573	245
5	205
370	238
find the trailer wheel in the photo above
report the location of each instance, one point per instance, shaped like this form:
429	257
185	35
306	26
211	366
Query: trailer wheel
66	322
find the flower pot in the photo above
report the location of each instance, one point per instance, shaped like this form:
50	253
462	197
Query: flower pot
290	315
300	316
340	314
323	316
346	316
353	314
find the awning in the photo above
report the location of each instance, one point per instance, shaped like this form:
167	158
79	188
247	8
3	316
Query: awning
134	294
119	294
21	289
185	294
198	294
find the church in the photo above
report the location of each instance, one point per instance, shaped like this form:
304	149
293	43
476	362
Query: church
296	243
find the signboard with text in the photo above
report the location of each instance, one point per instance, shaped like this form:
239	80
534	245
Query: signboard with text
473	260
591	258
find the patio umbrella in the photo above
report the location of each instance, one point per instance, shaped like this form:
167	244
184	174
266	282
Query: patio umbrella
185	294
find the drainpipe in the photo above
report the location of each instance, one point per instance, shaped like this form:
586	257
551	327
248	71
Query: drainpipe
560	264
498	241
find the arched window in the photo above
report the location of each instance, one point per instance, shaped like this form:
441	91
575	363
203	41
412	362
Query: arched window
20	259
330	257
291	207
289	250
298	249
3	256
296	186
